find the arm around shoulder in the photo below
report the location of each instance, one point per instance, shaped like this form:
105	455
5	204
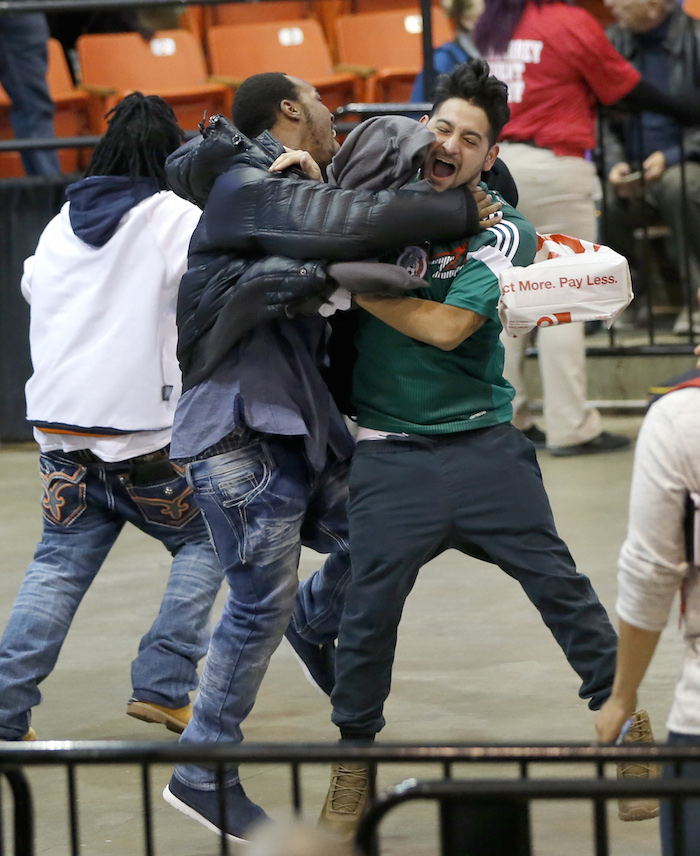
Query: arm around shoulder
278	215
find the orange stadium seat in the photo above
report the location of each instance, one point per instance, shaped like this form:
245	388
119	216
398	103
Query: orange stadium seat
10	162
193	18
170	65
692	8
294	47
70	120
72	106
255	12
386	49
260	12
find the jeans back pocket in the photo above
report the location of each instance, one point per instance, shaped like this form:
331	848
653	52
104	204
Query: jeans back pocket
168	501
64	491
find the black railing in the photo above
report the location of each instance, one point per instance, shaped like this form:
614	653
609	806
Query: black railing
473	811
492	818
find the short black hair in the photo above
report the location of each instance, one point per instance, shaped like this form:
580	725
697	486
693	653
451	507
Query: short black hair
256	104
142	131
473	81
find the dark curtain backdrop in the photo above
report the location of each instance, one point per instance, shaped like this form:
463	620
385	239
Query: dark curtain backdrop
26	206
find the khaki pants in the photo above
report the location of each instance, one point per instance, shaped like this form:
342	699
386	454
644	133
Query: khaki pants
556	196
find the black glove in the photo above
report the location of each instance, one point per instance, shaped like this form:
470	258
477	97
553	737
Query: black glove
268	290
374	278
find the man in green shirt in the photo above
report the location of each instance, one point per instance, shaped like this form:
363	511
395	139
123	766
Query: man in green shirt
438	463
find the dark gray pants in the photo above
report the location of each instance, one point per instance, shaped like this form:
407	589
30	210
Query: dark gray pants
662	201
23	64
480	492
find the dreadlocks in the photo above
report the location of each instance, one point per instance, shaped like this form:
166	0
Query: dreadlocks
142	132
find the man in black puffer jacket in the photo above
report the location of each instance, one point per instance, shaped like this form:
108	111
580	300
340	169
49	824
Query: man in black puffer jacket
266	449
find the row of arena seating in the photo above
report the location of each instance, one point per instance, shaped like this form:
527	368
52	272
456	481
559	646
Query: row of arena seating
373	56
348	53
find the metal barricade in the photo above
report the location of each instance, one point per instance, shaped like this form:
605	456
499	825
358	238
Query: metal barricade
479	816
492	818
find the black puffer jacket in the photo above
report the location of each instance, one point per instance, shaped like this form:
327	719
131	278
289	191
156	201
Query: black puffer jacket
245	257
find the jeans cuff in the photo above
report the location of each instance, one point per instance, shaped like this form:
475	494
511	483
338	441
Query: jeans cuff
163	701
205	786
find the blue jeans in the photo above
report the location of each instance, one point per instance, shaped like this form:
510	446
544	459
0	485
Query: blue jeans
262	502
23	65
691	808
86	504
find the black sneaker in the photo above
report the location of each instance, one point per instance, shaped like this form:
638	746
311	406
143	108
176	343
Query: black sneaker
604	442
317	661
242	815
536	436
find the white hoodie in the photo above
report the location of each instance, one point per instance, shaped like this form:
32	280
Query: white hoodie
102	333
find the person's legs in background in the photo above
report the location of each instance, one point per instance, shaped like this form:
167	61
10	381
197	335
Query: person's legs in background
621	218
562	358
557	196
514	363
661	203
23	63
690	808
667	196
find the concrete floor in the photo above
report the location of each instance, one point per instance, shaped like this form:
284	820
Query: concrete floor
474	664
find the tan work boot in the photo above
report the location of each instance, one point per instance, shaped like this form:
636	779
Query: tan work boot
346	799
174	719
638	808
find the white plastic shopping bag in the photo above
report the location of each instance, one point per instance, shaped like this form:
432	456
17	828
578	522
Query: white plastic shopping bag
569	280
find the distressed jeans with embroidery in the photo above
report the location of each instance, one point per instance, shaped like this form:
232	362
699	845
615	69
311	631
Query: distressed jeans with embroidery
262	502
86	505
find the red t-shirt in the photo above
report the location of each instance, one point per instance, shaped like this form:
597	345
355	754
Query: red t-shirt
558	62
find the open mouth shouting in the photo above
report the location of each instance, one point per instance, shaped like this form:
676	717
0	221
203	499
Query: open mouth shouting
440	171
443	168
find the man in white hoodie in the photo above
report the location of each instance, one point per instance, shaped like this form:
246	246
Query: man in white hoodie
103	287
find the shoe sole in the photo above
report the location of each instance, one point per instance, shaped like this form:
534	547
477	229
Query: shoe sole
156	717
305	669
563	452
639	814
187	810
